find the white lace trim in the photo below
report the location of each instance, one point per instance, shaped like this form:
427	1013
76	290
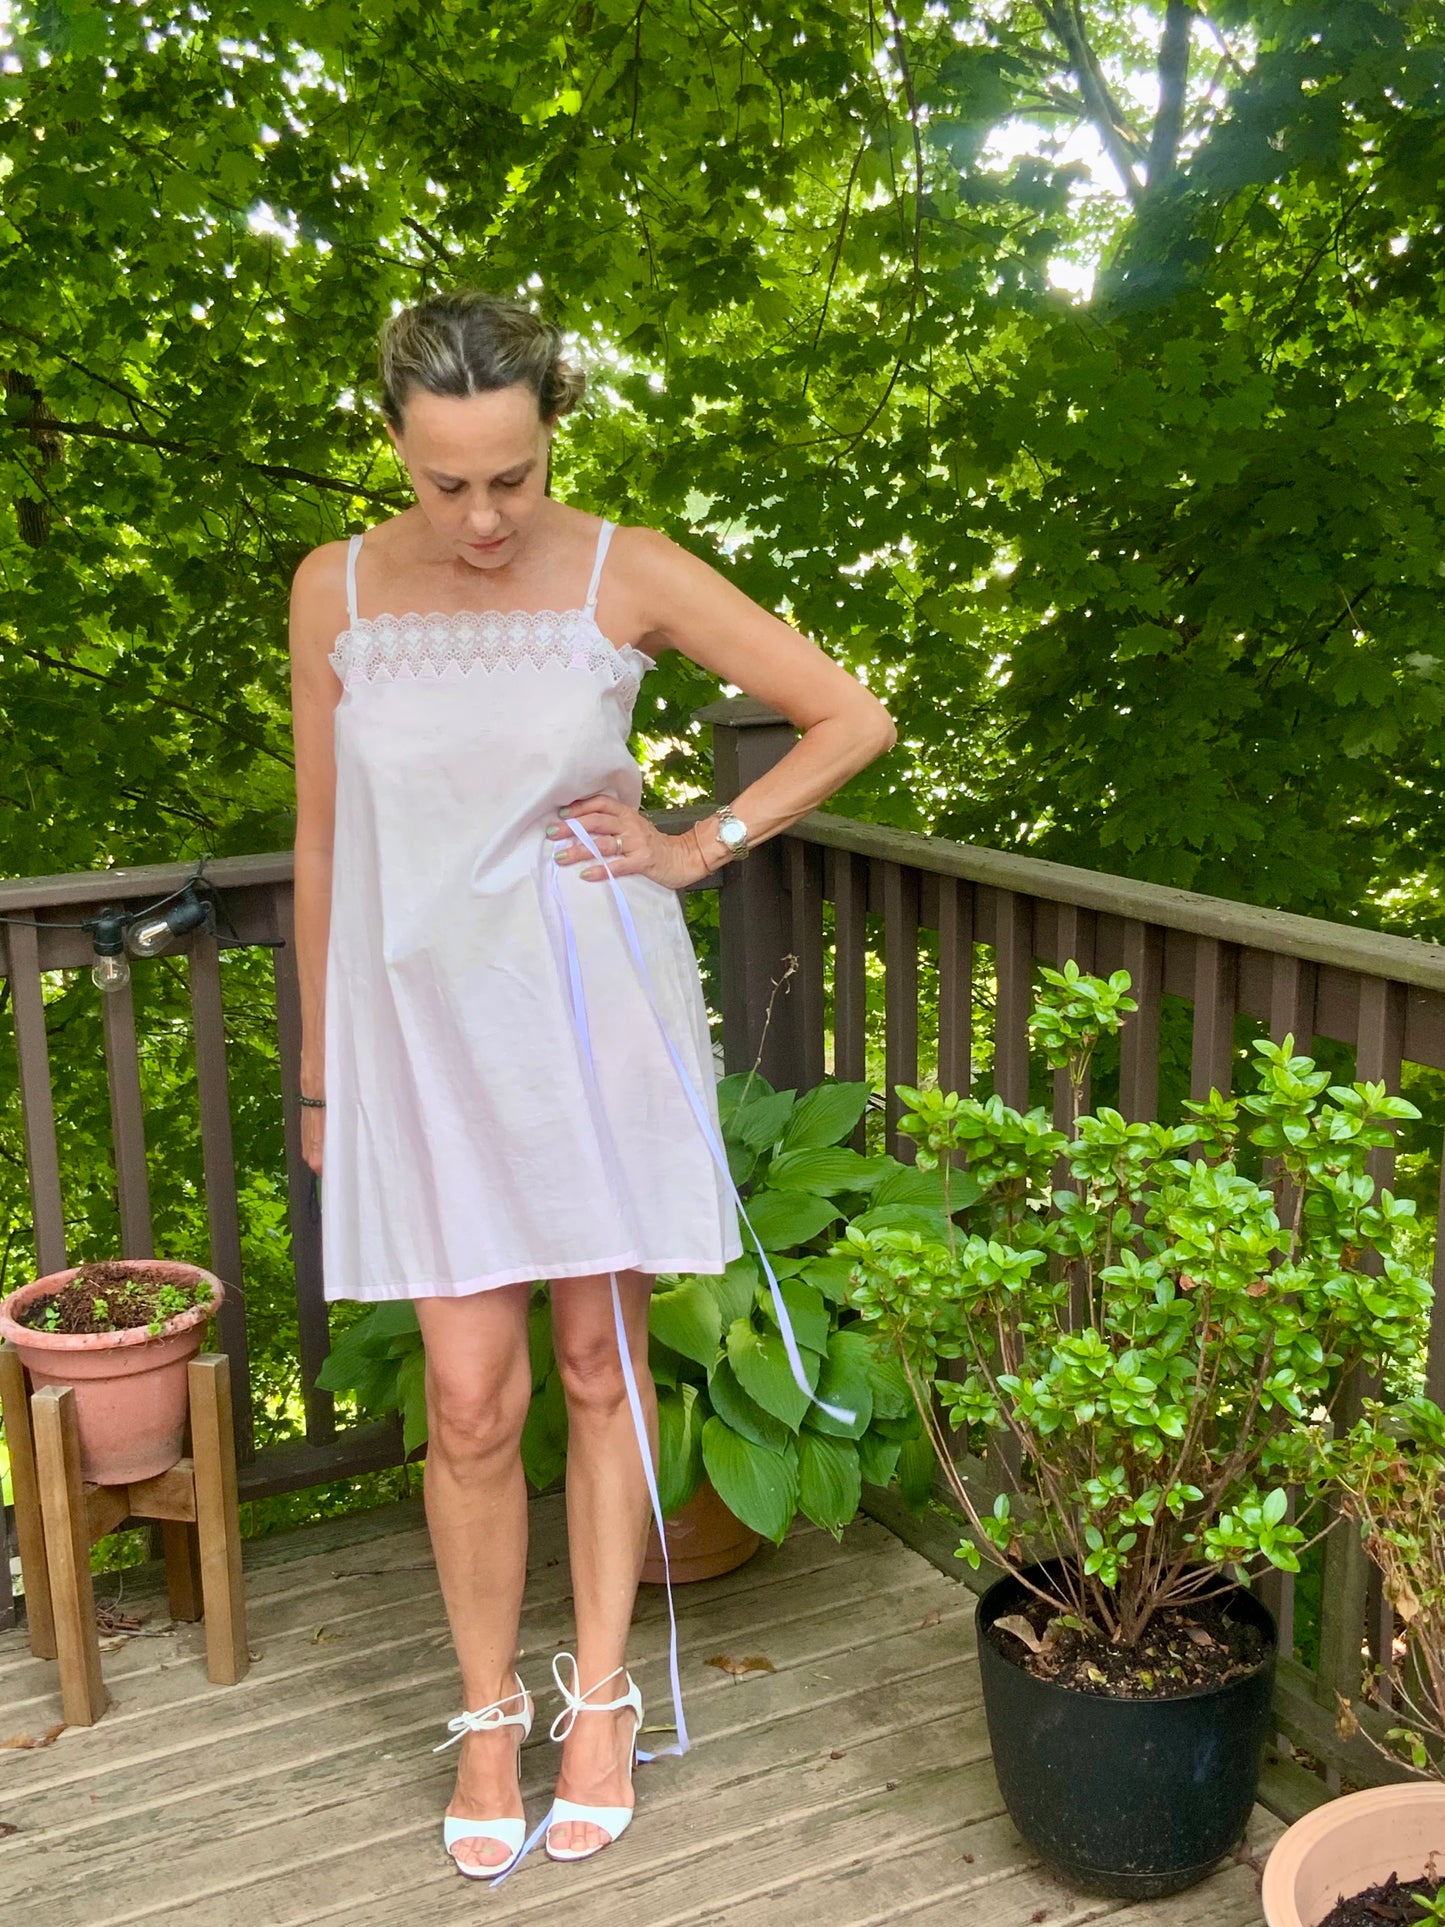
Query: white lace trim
376	647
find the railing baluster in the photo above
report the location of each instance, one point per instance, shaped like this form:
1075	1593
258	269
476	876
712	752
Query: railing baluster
900	999
32	1053
955	985
219	1162
1435	1361
805	891
1076	943
1216	973
127	1119
848	887
1013	965
1292	984
1139	1039
1351	1605
312	1326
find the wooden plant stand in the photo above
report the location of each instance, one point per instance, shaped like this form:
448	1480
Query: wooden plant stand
59	1517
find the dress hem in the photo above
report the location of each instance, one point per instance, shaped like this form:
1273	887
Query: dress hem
530	1274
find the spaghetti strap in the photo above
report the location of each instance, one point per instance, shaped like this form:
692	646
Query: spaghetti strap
352	549
604	536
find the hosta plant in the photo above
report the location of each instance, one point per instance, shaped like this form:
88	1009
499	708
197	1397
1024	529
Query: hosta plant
1140	1325
728	1404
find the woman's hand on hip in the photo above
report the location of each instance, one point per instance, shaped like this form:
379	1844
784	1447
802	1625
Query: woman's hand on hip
631	846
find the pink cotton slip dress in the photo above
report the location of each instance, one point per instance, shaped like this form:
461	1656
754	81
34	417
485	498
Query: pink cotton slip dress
468	1142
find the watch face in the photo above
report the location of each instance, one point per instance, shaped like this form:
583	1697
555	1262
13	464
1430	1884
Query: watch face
731	832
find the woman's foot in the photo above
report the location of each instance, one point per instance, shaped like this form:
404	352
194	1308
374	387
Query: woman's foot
488	1785
594	1772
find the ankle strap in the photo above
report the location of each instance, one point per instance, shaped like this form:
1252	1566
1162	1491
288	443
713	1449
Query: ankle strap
487	1719
577	1701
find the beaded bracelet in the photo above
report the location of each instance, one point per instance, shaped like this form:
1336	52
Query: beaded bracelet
319	1101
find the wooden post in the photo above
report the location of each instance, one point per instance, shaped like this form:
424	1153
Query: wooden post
67	1545
218	1527
754	912
29	1527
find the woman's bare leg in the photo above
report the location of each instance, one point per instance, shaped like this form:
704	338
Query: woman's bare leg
607	1518
478	1384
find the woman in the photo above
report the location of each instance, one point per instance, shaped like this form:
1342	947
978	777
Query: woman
516	1061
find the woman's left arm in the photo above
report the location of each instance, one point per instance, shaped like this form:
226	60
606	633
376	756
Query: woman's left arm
689	606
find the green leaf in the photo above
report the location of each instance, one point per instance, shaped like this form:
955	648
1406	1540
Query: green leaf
829	1481
782	1219
763	1372
844	1381
732	1404
825	1115
411	1391
539	1341
891	1397
680	1419
544	1438
758	1486
829	1275
878	1458
905	1217
807	1311
824	1171
915	1473
760	1121
687	1319
736	1290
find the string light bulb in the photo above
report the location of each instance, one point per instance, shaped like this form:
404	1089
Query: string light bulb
111	970
149	933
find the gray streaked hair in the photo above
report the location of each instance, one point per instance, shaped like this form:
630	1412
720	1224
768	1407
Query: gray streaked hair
466	341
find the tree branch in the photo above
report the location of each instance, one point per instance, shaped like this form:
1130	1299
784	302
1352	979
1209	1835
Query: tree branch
1173	71
1121	143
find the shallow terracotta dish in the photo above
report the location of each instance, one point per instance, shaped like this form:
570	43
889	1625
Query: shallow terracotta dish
1349	1845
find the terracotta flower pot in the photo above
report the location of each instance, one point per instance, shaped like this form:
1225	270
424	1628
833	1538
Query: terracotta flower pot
704	1540
1349	1845
130	1387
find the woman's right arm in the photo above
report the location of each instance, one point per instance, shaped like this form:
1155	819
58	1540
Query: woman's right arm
318	603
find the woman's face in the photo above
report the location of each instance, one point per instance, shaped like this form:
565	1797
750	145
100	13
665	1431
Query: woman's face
478	464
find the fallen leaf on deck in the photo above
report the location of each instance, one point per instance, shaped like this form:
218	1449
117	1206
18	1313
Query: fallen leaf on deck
742	1668
837	1755
930	1618
8	1827
47	1738
321	1633
110	1619
114	1644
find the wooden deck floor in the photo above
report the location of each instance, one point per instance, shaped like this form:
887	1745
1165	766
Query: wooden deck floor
850	1786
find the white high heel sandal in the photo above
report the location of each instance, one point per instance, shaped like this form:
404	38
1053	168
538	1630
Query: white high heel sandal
613	1820
510	1833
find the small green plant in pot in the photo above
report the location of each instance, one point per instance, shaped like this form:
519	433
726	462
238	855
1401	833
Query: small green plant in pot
1141	1343
732	1420
1386	1473
121	1333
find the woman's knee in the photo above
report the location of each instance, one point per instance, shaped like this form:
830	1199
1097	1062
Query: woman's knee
590	1370
471	1416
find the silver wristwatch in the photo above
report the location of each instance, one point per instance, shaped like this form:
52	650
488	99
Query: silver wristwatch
732	832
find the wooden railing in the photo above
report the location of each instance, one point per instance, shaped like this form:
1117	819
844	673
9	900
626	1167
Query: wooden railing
826	910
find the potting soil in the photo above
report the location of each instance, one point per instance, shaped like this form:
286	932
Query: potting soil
1391	1904
130	1293
1183	1650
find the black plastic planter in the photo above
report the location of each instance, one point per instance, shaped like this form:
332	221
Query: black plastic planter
1134	1798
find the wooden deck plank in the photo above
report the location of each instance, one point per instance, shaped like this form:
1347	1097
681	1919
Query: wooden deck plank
213	1757
852	1784
394	1629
